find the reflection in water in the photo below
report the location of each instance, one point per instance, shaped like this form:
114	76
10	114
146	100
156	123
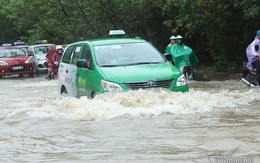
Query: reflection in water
37	124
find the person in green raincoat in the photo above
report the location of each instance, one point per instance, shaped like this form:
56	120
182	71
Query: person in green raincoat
172	42
182	55
168	48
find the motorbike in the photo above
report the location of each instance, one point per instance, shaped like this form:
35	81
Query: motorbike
186	69
53	72
249	76
184	58
188	72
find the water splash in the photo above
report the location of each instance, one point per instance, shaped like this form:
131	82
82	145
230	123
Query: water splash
143	104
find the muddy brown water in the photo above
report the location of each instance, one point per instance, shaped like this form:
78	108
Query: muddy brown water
214	119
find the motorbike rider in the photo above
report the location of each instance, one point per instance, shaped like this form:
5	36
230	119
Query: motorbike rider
179	39
53	57
172	42
168	48
253	55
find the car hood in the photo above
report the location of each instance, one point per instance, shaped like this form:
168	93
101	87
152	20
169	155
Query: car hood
140	72
16	60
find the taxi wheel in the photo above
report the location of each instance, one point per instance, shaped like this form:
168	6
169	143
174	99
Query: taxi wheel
63	90
93	94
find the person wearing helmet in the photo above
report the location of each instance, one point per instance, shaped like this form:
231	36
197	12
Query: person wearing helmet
53	57
253	55
168	49
172	42
179	39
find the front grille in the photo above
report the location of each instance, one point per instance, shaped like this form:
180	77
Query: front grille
153	83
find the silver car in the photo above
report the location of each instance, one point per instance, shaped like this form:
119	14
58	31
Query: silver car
38	53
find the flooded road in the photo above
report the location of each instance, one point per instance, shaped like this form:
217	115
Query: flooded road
214	120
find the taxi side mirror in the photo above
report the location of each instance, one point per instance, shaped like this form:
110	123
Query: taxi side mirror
83	63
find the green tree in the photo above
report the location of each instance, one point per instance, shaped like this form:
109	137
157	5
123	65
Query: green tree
221	27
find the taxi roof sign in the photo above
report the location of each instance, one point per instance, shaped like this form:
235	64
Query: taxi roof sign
7	44
41	42
116	32
19	43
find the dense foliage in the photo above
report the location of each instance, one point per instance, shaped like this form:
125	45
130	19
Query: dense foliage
218	30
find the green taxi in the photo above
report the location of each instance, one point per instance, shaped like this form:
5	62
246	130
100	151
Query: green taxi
116	64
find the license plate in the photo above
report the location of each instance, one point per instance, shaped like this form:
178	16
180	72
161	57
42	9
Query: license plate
17	67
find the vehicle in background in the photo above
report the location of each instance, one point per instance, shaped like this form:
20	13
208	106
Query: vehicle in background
7	44
14	60
22	45
38	53
116	64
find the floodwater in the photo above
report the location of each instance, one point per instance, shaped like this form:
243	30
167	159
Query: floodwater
213	120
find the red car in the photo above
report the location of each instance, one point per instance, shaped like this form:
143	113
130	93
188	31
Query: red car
14	60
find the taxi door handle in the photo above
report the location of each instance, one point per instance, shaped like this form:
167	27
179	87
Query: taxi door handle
67	71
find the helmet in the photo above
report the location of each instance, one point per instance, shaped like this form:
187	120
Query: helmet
179	37
258	32
172	37
58	47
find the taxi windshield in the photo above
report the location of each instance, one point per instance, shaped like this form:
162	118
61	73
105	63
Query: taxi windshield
126	54
11	53
42	49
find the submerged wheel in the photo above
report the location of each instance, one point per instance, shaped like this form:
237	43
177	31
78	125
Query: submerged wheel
251	78
189	75
63	90
93	94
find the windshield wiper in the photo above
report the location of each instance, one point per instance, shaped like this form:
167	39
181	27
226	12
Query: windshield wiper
109	65
143	63
130	64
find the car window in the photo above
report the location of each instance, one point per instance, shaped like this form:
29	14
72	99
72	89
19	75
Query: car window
127	54
11	53
42	49
76	54
86	54
67	54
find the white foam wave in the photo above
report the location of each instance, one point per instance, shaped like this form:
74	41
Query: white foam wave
143	104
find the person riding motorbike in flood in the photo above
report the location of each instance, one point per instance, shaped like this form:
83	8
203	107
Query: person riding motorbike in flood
168	49
172	42
53	57
253	55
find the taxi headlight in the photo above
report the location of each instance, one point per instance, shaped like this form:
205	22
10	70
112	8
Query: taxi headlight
110	86
28	61
2	63
181	81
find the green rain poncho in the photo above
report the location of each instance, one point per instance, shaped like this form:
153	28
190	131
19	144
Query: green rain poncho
168	48
183	55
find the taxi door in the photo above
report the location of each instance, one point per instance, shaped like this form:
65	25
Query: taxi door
67	69
88	79
73	68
